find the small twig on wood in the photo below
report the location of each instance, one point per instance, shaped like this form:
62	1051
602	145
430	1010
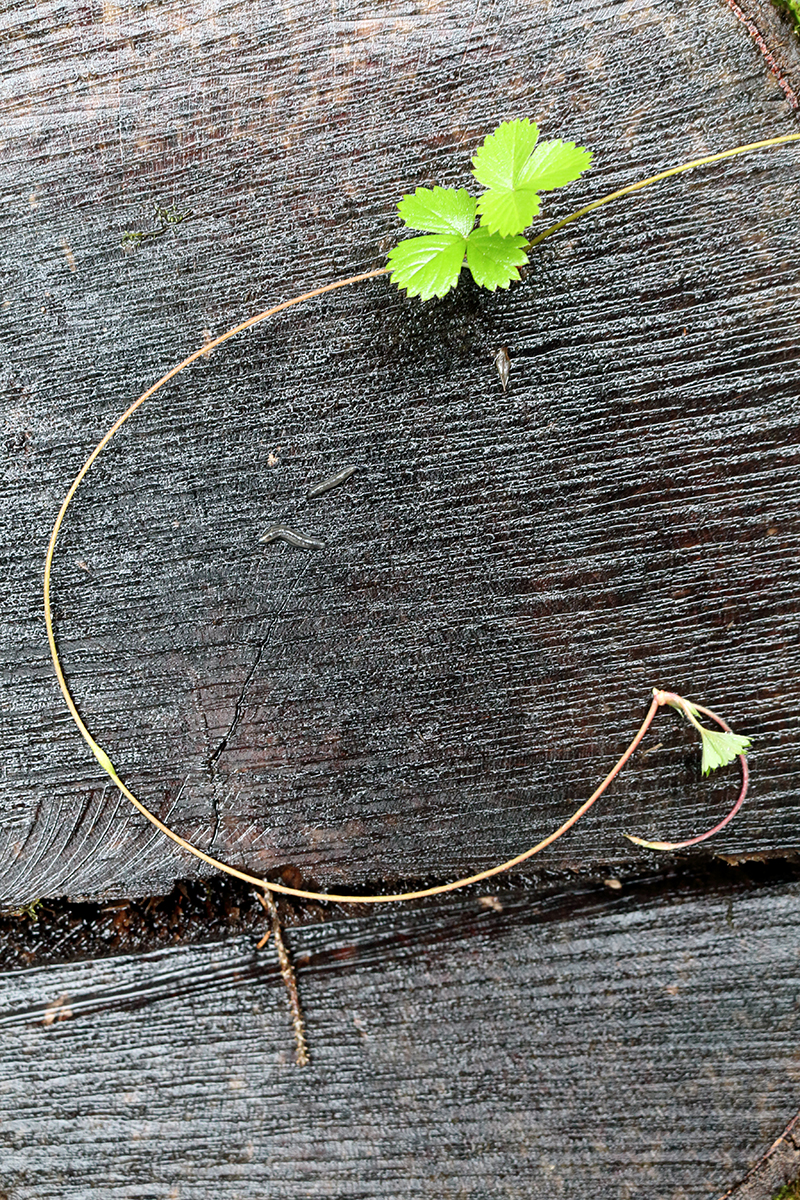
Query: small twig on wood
287	974
755	34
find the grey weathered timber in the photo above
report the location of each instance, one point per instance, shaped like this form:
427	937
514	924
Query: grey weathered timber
619	1047
506	576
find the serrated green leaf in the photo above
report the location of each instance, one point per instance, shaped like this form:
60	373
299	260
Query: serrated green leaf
428	266
515	166
492	259
720	748
508	212
553	164
439	210
502	156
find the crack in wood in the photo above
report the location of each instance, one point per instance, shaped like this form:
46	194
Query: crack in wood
239	706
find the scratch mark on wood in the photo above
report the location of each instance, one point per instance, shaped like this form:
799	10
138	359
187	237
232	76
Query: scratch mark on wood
75	860
237	712
155	835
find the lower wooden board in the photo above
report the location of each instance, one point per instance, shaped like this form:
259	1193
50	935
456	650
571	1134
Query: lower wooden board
614	1045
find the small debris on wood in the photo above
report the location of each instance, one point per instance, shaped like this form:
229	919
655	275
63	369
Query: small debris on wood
165	216
503	364
57	1011
292	537
328	484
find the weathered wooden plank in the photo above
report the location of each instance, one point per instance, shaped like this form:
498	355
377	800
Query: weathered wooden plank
507	576
628	1045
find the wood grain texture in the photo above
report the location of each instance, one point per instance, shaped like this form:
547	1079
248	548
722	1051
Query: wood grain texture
622	1047
506	577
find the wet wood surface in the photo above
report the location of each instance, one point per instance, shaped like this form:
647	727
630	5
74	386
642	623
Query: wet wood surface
622	1046
506	576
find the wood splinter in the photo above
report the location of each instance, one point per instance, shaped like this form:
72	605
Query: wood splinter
287	974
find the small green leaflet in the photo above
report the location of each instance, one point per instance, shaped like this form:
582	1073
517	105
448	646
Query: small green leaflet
554	164
515	166
439	210
721	748
514	169
499	161
493	260
430	266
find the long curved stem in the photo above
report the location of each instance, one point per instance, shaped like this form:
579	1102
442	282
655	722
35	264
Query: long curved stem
101	755
439	889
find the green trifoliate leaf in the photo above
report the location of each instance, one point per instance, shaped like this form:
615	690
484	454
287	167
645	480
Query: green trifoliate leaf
720	748
553	164
428	266
439	210
492	259
515	169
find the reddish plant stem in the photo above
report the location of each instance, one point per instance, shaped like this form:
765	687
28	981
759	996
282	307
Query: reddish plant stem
755	34
677	701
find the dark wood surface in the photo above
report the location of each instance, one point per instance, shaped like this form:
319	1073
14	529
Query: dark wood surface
505	579
507	576
622	1046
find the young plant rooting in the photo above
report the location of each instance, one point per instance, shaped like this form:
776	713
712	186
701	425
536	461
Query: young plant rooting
287	974
514	167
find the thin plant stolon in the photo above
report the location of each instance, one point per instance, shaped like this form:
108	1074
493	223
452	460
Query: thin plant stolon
712	741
